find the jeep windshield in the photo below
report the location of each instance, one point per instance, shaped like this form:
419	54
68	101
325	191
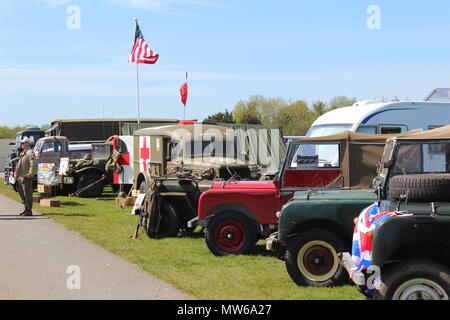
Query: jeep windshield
214	148
417	157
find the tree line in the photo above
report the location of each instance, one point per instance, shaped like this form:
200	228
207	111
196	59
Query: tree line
10	132
295	117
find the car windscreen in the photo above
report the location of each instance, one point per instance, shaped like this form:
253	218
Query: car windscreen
33	136
414	158
210	148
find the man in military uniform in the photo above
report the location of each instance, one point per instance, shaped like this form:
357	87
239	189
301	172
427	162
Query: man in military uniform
25	172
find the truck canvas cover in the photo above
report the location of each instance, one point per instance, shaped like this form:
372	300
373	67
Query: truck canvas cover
99	129
360	153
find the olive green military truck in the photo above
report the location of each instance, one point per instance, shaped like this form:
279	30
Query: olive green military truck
174	164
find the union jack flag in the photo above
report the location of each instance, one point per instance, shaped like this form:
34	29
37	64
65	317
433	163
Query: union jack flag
141	52
369	219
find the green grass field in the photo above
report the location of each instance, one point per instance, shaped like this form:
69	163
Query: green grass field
185	262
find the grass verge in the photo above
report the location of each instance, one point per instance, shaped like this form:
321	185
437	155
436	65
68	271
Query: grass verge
185	262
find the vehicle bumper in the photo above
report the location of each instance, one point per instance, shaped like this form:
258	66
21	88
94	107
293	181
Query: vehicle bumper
278	247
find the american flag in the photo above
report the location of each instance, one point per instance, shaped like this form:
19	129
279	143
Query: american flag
141	52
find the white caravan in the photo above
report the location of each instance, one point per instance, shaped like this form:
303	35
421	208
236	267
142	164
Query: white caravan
386	117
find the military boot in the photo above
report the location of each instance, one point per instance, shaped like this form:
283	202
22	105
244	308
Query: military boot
23	212
28	212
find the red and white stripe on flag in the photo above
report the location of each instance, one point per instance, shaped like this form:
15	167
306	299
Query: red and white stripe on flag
141	52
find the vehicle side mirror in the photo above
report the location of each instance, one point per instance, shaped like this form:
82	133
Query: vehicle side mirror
389	164
12	143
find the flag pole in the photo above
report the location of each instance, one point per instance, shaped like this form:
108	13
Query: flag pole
137	94
137	88
184	110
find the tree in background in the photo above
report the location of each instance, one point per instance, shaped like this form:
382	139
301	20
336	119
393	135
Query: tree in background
10	132
220	117
341	101
319	108
250	119
258	107
295	117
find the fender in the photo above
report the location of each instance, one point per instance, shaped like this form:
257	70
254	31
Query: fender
230	207
236	208
403	236
142	176
337	212
260	205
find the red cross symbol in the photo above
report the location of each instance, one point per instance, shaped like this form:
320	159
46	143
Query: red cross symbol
145	153
124	159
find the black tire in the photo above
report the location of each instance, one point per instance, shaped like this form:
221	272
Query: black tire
87	179
414	280
169	226
230	233
312	259
422	187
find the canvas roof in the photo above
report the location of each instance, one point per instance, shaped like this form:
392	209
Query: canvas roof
438	133
114	120
178	131
360	153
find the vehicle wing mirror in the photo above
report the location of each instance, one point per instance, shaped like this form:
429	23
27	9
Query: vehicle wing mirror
12	143
389	164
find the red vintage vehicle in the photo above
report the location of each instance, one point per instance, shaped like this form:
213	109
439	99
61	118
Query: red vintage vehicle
239	213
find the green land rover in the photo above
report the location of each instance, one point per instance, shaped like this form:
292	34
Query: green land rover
315	226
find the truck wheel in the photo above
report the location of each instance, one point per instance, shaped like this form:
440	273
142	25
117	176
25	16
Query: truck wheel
87	179
422	187
414	280
230	233
169	226
312	259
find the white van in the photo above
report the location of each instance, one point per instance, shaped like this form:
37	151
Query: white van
386	117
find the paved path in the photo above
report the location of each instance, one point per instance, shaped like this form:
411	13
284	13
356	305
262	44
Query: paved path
35	254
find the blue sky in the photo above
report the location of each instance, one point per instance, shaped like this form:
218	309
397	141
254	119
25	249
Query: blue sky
232	49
